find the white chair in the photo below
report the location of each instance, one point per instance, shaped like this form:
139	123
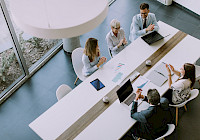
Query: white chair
197	68
78	64
171	128
62	91
194	94
109	51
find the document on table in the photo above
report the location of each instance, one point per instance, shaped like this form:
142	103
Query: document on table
159	75
141	82
120	74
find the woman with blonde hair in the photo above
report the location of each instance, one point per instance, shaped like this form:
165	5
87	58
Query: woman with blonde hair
91	57
115	38
180	90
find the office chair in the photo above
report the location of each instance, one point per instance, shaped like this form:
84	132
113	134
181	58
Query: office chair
194	94
77	64
109	51
171	128
62	91
197	68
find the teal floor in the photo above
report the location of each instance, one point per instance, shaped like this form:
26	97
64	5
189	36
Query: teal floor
38	93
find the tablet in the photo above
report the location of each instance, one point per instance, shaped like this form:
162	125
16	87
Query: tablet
97	84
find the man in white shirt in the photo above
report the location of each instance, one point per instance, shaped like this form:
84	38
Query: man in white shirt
115	39
142	23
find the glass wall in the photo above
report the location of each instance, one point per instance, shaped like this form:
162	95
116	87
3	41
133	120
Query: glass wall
10	69
33	48
20	53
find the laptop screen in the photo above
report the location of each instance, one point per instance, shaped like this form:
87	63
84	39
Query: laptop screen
152	37
125	91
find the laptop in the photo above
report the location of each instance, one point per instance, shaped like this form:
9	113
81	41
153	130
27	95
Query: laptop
152	37
125	93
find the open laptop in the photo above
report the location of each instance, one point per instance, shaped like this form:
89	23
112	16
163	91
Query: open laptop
152	37
125	93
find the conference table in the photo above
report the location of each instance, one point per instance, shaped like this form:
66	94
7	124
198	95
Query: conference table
113	123
82	114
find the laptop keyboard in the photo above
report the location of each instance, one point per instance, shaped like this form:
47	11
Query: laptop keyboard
130	99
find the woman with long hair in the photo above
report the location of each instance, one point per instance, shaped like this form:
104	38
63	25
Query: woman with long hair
180	90
91	57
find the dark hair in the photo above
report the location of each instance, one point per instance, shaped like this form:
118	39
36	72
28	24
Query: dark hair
189	73
153	96
144	6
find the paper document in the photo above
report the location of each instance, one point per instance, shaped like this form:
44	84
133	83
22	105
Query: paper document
159	75
140	82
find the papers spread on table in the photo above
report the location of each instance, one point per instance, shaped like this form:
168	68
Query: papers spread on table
141	82
159	75
120	73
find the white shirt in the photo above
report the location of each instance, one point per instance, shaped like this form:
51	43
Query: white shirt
89	67
113	41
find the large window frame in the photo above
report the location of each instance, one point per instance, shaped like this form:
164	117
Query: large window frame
19	56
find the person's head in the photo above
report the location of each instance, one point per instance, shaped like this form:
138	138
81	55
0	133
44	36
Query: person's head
144	10
153	96
91	48
115	26
188	72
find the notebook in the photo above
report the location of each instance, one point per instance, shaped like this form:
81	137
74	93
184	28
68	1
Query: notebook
159	75
152	37
125	93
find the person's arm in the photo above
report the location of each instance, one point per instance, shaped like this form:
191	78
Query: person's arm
87	64
154	21
164	102
139	116
135	29
175	71
122	33
110	44
169	80
169	75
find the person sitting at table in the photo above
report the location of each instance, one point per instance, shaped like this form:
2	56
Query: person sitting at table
115	39
152	122
142	23
91	57
180	90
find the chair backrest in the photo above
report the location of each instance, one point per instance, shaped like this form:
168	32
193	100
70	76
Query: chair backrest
194	94
197	71
109	51
77	62
62	91
171	128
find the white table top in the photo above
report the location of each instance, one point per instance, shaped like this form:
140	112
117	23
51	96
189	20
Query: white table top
114	122
192	5
58	18
70	108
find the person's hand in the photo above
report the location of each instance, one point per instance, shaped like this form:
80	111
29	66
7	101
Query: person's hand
168	70
101	61
171	67
125	41
120	43
138	94
150	27
104	59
